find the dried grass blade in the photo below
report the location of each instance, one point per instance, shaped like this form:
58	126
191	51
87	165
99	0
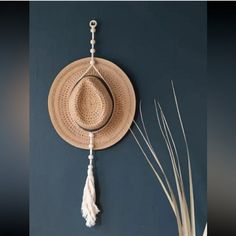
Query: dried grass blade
170	142
155	157
182	202
153	151
205	231
171	139
144	126
192	208
170	196
150	148
163	172
170	149
155	172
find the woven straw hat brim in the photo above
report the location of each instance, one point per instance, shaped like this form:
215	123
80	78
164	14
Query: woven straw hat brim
124	104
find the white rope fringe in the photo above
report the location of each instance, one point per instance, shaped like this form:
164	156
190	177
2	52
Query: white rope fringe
88	207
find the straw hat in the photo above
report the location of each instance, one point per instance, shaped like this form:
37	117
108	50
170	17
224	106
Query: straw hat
101	101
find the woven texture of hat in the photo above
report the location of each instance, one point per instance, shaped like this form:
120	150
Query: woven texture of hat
90	103
68	116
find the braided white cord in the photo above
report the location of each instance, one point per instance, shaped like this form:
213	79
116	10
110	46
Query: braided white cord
92	25
91	137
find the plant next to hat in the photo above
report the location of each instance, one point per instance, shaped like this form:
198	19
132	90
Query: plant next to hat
184	214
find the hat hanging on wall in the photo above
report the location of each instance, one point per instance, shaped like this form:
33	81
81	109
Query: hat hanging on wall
91	105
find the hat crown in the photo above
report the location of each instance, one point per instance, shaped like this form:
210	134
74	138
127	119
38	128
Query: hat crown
91	103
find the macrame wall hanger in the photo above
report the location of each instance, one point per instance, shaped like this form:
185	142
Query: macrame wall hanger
83	105
89	208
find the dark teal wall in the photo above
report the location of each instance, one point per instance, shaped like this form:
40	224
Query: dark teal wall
153	43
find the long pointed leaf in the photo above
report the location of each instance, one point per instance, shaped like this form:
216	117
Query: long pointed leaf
155	172
182	198
184	215
171	197
205	231
192	208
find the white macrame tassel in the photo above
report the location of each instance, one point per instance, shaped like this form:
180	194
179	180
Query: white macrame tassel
88	207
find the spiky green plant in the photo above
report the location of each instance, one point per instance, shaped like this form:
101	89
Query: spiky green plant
185	215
